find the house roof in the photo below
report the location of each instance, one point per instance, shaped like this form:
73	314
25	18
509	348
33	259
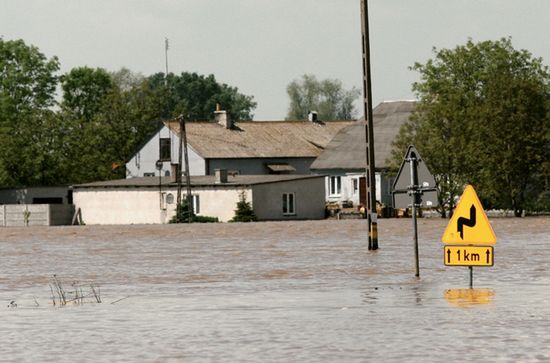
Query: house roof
259	139
347	151
196	181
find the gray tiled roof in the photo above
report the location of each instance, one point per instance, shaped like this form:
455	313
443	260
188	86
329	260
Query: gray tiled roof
347	150
196	181
260	139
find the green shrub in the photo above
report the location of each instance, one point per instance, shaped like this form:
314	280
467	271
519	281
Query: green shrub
244	211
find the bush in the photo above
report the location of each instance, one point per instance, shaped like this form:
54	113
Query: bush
205	219
244	211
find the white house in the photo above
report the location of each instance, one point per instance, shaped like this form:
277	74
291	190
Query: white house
153	200
344	158
245	148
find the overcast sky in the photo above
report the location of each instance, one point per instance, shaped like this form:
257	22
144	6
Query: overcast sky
260	46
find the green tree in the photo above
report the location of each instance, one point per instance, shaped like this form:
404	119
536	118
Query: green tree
482	118
244	211
122	117
27	89
328	97
197	95
84	92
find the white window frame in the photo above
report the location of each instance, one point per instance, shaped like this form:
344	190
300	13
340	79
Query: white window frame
355	186
289	204
335	186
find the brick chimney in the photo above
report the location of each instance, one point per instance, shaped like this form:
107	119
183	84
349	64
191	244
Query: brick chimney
221	117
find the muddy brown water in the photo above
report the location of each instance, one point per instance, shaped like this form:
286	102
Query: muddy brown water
270	292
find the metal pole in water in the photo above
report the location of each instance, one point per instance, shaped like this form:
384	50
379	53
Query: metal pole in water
417	264
415	202
471	277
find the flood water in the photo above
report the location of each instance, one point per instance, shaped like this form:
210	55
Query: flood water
273	292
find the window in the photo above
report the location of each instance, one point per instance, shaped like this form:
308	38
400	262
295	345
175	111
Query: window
355	185
164	152
196	204
335	185
289	207
148	174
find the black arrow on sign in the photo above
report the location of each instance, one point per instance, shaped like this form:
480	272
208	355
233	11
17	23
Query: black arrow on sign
466	222
488	255
448	256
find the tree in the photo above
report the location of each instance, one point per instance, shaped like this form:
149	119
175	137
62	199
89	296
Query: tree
118	119
482	118
27	89
84	92
27	80
328	97
244	211
197	95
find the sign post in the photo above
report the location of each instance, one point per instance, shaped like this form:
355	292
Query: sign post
468	235
417	182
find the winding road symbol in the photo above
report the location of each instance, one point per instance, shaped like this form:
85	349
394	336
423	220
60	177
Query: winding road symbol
466	222
469	223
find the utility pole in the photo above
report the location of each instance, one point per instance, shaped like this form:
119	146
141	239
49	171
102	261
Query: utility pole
183	145
370	178
179	169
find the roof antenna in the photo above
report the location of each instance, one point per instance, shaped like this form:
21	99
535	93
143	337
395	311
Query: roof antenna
166	47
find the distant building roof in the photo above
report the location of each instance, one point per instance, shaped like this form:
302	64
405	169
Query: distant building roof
347	150
259	139
196	181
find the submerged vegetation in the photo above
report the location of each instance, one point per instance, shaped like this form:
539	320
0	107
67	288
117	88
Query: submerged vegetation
76	294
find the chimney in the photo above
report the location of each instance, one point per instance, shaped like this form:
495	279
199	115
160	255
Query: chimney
220	116
312	116
220	176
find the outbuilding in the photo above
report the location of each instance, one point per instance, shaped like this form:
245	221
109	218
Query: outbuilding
150	200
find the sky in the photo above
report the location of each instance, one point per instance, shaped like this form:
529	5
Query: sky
260	46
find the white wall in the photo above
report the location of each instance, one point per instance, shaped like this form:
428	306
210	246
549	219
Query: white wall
117	206
144	161
221	202
143	205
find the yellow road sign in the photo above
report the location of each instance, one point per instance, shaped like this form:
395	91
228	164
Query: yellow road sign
469	224
468	255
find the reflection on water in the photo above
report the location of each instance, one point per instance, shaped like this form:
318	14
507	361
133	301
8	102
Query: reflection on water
466	298
273	292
